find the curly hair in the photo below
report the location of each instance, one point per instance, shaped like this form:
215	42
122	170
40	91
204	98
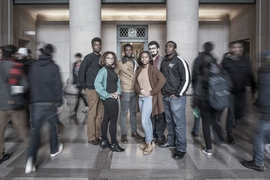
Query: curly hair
140	56
102	59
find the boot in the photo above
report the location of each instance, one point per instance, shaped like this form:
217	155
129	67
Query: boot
116	148
148	149
105	144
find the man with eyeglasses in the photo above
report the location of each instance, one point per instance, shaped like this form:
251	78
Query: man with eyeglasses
158	121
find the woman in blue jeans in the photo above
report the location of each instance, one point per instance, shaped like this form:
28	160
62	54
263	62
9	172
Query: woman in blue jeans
148	84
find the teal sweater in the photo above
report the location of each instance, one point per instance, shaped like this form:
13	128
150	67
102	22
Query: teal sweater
101	84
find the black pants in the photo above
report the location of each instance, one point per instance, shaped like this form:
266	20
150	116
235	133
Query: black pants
80	95
209	117
110	115
159	125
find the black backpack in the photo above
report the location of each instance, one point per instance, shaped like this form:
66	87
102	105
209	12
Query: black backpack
218	88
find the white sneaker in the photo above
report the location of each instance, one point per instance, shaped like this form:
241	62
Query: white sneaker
267	148
207	151
60	149
30	167
85	110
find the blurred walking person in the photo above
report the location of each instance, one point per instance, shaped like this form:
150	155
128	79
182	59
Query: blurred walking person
262	135
75	71
46	103
13	86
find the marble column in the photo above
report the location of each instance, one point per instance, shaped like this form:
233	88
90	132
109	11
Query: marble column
84	25
182	18
6	22
262	28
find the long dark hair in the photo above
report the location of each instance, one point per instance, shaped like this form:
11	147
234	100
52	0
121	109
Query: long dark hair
140	56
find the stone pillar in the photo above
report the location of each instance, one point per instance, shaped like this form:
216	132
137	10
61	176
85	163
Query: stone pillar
6	22
262	28
182	19
84	25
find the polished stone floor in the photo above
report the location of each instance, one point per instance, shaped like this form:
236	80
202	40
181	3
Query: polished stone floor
80	160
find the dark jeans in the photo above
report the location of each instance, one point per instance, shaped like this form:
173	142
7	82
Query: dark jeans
110	115
209	117
159	125
196	125
175	113
236	109
41	112
80	95
262	136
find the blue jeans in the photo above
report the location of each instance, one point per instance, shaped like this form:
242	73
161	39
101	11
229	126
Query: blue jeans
236	110
145	104
175	114
128	102
262	136
41	112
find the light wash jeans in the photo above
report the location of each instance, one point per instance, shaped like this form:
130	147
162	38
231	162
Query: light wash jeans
145	104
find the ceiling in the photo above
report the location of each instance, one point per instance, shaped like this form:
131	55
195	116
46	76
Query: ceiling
136	12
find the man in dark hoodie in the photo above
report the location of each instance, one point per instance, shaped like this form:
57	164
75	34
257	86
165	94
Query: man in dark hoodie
239	68
262	135
46	102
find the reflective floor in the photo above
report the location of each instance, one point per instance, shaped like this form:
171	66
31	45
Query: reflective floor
80	160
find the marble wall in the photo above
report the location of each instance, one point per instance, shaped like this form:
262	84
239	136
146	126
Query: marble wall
57	33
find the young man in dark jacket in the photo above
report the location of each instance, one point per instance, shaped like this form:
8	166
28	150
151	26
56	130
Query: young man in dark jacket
262	135
87	74
239	69
46	102
177	75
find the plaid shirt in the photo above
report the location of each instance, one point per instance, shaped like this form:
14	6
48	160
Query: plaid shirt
15	72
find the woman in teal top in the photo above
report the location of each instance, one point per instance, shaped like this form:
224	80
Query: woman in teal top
107	84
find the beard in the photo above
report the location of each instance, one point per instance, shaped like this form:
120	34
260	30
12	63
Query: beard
154	55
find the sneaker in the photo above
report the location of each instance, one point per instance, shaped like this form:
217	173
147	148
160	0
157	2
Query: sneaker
179	155
60	149
4	158
267	148
207	151
73	113
252	165
85	110
230	139
30	167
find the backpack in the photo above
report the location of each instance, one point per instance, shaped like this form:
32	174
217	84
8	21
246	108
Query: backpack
218	88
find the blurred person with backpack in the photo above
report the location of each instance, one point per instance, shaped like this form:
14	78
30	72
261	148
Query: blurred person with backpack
239	69
13	86
211	89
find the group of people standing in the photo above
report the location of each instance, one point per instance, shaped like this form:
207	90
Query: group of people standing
153	85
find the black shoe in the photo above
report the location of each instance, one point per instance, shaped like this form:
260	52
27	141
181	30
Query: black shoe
251	165
179	155
160	140
105	144
116	148
230	139
194	135
4	158
166	145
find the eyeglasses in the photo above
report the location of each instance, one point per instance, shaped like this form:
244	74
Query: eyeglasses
152	48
